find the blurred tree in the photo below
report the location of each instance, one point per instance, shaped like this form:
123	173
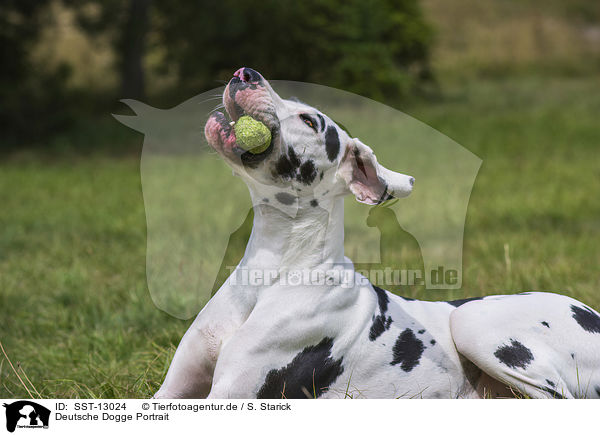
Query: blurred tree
378	48
127	25
32	100
132	45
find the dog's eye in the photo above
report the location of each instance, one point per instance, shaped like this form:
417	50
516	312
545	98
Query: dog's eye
308	121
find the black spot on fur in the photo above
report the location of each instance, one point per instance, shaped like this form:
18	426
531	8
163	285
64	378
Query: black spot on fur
383	195
310	374
381	322
587	318
294	160
432	342
382	299
284	168
421	331
321	121
572	356
407	351
459	302
285	198
546	324
549	382
265	199
314	203
597	391
555	394
332	143
307	173
515	355
287	164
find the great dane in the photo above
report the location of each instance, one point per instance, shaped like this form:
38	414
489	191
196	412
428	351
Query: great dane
276	339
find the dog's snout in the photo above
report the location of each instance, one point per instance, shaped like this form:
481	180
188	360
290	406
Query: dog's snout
411	180
247	75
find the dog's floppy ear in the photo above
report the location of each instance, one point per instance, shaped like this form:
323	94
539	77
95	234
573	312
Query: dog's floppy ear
370	182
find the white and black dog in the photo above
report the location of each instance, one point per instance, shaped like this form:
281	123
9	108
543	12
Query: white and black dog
334	341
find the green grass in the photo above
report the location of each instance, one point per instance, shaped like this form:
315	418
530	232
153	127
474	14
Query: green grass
76	314
534	195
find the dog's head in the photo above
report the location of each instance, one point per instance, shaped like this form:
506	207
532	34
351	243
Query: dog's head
308	153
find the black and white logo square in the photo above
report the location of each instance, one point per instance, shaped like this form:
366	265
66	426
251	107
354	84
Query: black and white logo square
25	414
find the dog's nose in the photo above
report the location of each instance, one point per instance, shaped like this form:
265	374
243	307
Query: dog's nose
412	181
246	74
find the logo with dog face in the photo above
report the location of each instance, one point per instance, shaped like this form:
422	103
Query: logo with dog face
26	414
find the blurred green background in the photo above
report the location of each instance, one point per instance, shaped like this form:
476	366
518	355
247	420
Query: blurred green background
517	82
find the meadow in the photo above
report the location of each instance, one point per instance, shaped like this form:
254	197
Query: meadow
76	316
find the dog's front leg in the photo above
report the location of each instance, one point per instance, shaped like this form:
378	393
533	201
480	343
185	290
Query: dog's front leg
191	372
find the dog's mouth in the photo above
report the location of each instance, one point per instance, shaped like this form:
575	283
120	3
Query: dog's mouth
246	94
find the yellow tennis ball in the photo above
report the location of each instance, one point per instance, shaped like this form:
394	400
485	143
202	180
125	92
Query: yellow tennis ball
252	135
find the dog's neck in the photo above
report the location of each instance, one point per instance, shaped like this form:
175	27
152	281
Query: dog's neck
313	238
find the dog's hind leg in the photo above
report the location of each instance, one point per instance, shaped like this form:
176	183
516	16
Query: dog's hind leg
534	343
